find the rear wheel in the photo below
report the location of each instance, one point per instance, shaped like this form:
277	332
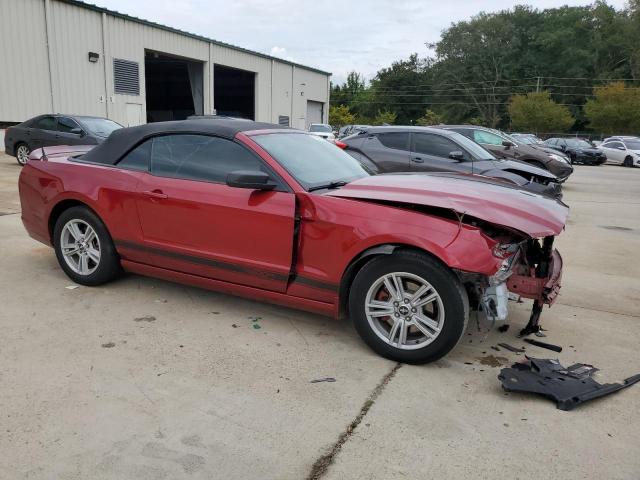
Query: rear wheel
408	307
628	162
22	153
84	247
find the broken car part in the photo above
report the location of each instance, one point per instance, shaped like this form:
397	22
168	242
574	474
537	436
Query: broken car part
538	343
325	379
568	387
510	348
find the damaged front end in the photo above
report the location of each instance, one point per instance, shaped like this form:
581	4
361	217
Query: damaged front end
530	269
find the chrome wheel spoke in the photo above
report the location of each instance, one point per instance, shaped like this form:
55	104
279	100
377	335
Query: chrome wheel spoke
393	283
422	321
376	308
424	301
89	234
93	254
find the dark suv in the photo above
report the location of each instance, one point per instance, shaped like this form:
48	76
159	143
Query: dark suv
48	130
427	149
505	146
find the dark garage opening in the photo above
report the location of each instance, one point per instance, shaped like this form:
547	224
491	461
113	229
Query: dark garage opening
173	87
234	92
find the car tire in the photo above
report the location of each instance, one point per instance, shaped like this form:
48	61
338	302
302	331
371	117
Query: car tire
22	151
87	261
411	333
628	162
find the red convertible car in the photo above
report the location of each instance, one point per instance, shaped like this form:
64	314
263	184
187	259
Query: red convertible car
280	215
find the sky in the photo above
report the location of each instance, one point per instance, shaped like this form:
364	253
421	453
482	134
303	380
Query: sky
335	36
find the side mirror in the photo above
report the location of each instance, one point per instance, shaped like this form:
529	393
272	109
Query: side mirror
77	131
457	155
255	180
508	144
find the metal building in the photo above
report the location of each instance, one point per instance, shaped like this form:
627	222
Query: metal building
67	56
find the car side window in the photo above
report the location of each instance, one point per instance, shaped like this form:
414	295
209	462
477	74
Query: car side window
138	158
66	124
435	145
395	140
480	136
614	145
200	157
45	123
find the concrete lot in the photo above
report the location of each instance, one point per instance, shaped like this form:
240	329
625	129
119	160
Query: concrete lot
146	379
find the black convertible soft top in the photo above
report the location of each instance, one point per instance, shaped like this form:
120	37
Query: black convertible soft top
124	139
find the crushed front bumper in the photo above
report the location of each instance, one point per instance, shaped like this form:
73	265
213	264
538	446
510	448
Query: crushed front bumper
544	290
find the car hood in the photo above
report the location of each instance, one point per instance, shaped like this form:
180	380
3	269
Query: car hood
548	150
473	195
516	166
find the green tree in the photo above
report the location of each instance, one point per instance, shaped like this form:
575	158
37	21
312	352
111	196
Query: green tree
538	113
429	118
385	117
340	115
615	109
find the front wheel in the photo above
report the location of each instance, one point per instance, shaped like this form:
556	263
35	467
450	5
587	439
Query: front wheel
22	153
628	162
408	307
84	247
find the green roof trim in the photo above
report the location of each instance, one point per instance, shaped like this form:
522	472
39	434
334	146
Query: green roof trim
124	16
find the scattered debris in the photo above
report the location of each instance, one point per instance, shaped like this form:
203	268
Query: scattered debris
568	387
324	379
72	287
549	346
181	346
234	325
493	347
616	227
510	348
214	313
108	345
493	361
468	363
256	326
164	300
147	318
503	328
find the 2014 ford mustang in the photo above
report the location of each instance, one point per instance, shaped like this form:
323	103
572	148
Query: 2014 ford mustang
283	216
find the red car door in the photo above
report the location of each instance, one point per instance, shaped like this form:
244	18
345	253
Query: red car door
193	222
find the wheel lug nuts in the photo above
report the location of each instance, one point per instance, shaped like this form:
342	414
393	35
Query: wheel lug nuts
396	314
413	310
406	300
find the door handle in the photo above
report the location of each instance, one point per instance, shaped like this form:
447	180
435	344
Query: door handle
417	160
155	194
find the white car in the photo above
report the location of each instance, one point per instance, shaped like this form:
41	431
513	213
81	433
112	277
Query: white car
622	151
322	130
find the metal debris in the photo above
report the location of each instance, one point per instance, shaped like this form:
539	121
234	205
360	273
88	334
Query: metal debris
567	386
548	346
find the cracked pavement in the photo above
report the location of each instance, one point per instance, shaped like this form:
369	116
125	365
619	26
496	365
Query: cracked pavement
195	390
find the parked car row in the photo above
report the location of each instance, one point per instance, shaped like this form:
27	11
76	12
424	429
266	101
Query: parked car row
439	149
282	215
48	130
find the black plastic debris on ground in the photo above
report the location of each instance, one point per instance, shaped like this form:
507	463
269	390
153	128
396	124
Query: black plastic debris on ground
511	349
567	386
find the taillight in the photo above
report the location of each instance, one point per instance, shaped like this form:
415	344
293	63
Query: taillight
340	144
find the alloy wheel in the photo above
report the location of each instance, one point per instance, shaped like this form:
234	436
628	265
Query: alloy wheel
22	154
80	247
404	310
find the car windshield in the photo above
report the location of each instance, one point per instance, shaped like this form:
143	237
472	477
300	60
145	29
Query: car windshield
526	140
100	126
311	160
317	127
578	143
632	144
476	151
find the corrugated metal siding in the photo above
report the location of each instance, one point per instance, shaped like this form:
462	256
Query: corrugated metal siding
78	84
24	71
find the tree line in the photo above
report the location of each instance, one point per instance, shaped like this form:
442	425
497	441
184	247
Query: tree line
552	70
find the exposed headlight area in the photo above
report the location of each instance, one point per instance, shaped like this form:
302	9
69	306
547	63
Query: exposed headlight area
559	158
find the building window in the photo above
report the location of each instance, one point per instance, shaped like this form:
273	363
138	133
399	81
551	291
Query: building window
126	77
